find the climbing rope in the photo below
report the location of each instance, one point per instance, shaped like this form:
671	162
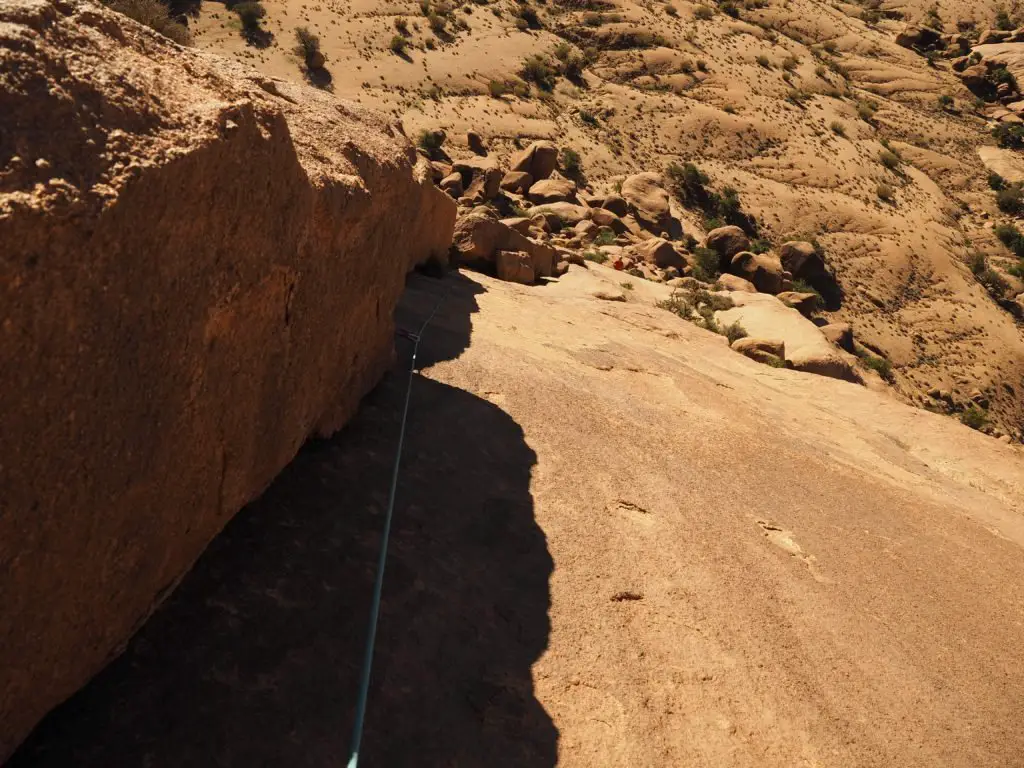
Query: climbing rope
378	585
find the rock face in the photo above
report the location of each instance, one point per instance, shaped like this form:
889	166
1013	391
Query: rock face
539	160
200	267
648	201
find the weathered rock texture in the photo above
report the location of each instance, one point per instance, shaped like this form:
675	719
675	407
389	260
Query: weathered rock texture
199	266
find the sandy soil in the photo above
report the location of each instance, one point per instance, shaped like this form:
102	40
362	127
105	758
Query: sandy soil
618	543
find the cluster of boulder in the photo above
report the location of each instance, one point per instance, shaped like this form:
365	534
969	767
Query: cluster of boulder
530	221
925	39
983	73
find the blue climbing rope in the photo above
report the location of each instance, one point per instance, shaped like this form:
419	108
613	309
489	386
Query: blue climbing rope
378	585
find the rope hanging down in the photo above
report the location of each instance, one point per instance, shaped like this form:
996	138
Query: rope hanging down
378	585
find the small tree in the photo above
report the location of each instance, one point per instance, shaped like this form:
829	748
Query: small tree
308	47
945	101
398	45
572	164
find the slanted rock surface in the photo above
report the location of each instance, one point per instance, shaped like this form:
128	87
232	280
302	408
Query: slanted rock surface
199	266
765	317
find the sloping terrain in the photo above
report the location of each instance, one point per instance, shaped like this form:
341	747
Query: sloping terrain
796	104
617	543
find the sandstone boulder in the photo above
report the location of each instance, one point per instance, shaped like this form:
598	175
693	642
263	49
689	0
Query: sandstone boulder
452	184
804	303
921	39
761	269
649	202
767	351
552	191
515	267
475	143
539	160
840	334
605	218
517	181
485	185
567	213
993	36
727	242
765	317
520	224
801	259
479	236
736	283
616	204
218	272
660	253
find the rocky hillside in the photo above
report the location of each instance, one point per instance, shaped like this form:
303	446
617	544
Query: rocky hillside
823	120
200	265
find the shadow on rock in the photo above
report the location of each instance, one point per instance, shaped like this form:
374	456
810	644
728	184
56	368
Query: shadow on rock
254	660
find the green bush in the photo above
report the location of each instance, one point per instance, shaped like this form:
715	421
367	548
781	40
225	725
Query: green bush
889	159
884	192
945	101
977	262
837	128
1010	199
436	23
760	245
1011	237
706	264
994	283
878	364
1009	135
734	332
598	257
398	45
703	13
250	13
866	111
497	88
1004	22
974	417
996	182
529	15
430	140
308	44
763	61
537	70
571	162
155	15
604	237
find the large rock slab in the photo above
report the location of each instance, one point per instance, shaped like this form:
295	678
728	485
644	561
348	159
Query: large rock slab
200	265
479	237
649	203
765	317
